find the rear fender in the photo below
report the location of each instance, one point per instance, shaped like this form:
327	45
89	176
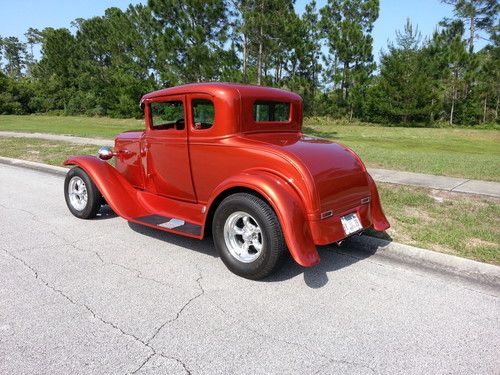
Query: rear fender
288	207
379	220
117	191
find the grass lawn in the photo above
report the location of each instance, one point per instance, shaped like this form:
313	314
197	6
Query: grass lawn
453	223
92	127
460	152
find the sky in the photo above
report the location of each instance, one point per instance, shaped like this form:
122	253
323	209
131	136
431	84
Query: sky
17	16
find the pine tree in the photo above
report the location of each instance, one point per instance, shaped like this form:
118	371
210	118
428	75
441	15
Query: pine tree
14	52
193	34
479	14
405	81
347	27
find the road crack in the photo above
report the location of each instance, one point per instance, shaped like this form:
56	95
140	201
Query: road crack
179	312
96	316
138	274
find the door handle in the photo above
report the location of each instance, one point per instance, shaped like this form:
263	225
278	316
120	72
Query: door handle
125	152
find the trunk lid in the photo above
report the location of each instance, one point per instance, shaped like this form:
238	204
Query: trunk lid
340	178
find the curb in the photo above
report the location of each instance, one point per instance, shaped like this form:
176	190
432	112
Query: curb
462	268
52	169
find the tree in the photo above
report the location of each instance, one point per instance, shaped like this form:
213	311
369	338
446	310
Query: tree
192	36
115	64
405	86
14	52
347	27
488	81
479	14
265	33
453	61
304	68
53	74
33	37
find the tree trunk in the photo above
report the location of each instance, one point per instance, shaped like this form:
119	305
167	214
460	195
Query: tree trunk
245	58
453	96
452	108
484	108
472	32
314	87
432	112
344	81
259	59
496	110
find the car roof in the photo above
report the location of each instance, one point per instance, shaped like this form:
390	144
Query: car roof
225	89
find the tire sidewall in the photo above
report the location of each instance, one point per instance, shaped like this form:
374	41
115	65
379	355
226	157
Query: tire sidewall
226	208
92	194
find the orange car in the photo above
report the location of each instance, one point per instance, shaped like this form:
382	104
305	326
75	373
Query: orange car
232	160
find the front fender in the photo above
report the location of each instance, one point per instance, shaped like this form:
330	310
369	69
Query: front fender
117	191
288	207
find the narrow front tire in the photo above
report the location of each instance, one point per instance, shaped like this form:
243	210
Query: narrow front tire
82	196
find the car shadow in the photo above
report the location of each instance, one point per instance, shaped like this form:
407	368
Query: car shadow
333	257
204	246
105	213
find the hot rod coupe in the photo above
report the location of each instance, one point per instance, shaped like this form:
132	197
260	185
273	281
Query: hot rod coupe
230	160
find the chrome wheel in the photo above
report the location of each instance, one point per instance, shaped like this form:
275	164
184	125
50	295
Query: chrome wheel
243	237
77	191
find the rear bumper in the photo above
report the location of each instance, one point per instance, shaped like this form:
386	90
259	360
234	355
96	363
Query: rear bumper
330	230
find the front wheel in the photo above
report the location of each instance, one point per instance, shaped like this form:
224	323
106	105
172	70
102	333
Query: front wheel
248	236
82	196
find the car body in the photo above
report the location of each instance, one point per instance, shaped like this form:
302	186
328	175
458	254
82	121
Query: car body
173	175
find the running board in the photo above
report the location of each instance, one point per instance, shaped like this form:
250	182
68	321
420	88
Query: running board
170	224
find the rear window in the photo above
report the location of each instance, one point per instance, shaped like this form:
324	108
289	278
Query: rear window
203	113
269	111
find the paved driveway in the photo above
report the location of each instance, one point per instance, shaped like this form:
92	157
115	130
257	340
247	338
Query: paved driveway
106	296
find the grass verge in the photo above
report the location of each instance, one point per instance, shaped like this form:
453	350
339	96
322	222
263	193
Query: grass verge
92	127
42	151
453	223
459	152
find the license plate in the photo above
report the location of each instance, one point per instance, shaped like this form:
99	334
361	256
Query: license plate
351	223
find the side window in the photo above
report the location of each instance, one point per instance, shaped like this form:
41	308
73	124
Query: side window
203	113
269	111
167	115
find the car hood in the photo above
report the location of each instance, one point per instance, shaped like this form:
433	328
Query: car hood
339	177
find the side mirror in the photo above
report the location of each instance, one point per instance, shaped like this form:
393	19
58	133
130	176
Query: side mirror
105	153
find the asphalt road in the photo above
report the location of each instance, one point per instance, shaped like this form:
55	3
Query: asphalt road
108	297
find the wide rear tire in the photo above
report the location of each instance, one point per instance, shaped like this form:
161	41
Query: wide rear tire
248	236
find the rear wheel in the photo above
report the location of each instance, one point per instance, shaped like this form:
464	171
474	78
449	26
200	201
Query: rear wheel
82	196
248	236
